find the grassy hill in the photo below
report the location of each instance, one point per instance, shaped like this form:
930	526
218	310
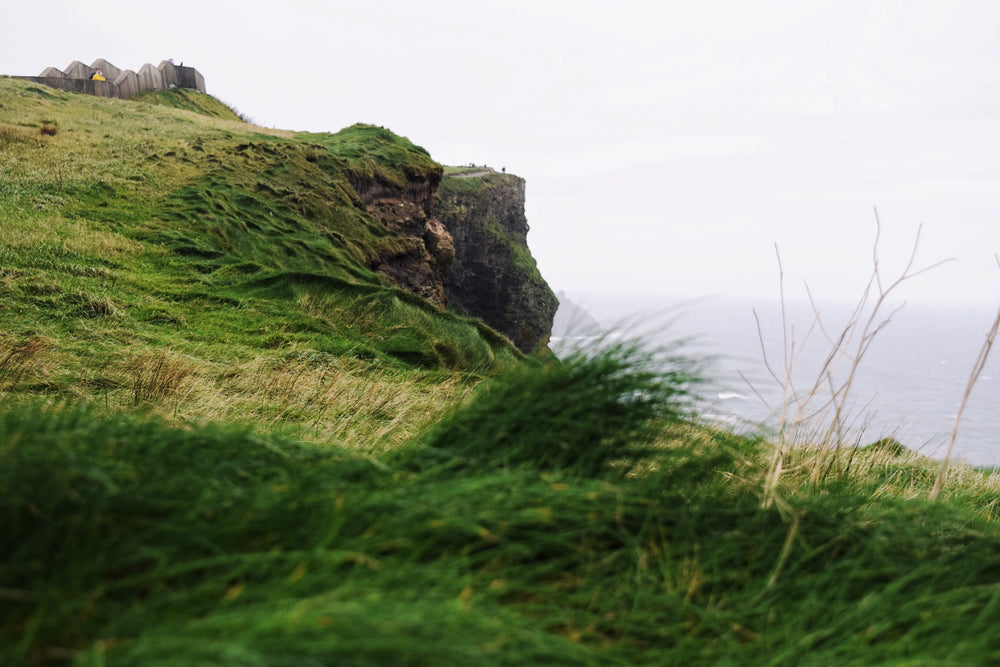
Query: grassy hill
225	441
184	260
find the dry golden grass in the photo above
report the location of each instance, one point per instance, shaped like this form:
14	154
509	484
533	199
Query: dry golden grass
19	359
350	403
817	418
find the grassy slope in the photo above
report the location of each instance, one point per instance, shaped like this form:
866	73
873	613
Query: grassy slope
527	528
565	514
185	98
144	241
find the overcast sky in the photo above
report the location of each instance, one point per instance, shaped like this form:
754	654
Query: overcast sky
667	146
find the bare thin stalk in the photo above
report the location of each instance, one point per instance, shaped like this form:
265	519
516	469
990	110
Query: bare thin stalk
777	462
977	369
871	329
800	408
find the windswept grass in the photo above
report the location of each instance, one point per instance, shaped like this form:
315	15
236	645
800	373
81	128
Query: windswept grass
225	440
128	542
185	98
19	359
162	237
524	417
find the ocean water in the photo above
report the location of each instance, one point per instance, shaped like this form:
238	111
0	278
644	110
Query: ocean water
908	385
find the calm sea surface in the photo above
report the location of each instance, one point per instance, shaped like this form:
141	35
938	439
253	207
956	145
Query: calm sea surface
909	384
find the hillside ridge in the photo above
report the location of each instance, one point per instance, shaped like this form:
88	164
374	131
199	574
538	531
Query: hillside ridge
364	198
160	254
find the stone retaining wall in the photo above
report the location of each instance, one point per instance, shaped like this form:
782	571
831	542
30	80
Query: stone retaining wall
120	83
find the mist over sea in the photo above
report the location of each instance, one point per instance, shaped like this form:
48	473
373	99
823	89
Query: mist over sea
909	385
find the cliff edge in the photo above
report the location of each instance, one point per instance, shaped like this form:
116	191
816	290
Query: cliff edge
493	276
335	238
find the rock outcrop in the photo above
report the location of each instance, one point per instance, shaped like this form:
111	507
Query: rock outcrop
420	263
493	276
459	241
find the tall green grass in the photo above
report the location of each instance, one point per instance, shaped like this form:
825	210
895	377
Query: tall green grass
621	403
130	542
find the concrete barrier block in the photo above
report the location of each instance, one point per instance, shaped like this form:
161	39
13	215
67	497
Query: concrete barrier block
187	77
52	73
150	78
110	71
199	81
77	70
128	84
169	72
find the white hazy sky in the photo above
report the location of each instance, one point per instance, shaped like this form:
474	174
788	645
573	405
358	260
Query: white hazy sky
667	146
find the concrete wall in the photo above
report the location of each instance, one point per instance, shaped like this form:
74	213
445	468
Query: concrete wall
128	84
110	71
150	78
120	83
77	70
86	86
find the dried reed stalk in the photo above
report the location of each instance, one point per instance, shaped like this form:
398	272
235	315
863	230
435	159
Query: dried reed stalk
851	344
977	370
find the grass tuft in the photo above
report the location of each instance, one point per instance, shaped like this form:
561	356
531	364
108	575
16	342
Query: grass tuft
17	360
158	376
578	414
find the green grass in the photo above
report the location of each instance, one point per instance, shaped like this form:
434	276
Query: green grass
622	535
166	225
225	440
185	98
375	153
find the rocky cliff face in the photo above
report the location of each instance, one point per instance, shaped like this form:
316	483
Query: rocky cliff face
419	264
460	242
493	276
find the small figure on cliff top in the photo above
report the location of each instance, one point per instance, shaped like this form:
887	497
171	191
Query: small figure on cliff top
503	170
98	75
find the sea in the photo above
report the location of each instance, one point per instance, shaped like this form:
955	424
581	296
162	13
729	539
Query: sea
760	361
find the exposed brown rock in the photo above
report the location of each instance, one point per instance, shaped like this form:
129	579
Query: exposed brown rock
463	245
420	265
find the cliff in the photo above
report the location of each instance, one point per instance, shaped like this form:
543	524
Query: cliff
332	240
464	247
406	207
493	276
